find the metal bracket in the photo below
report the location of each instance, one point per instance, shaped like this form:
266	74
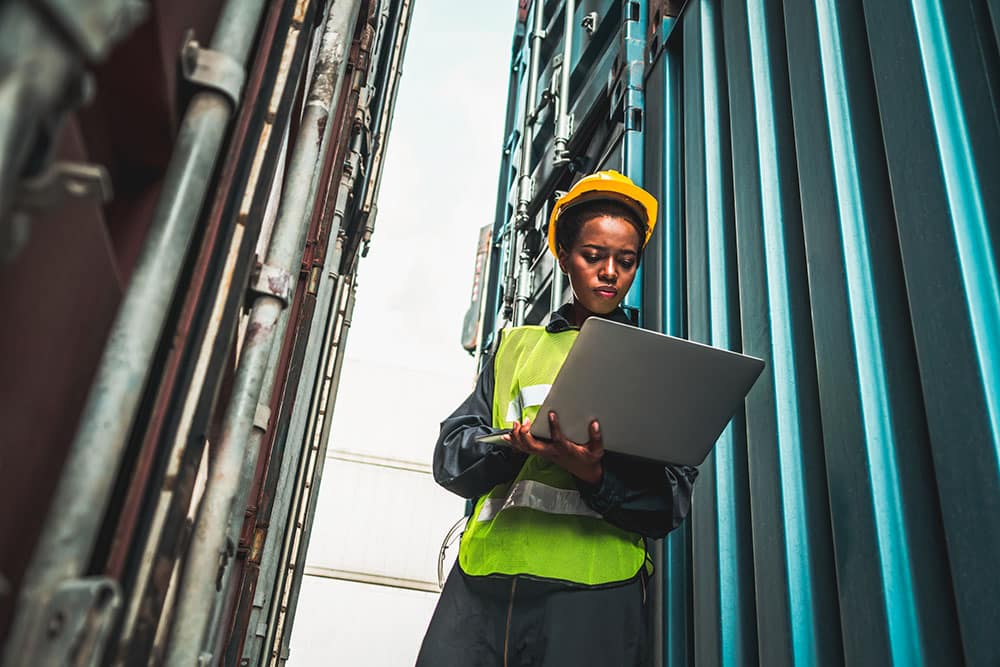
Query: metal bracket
272	281
59	182
261	417
589	23
75	623
215	70
64	180
95	27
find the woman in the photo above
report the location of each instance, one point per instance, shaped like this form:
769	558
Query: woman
553	564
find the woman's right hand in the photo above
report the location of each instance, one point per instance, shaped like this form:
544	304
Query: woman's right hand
583	461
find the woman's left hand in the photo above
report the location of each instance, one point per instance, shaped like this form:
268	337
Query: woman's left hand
581	461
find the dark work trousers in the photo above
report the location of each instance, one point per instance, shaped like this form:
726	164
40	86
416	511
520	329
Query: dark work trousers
508	621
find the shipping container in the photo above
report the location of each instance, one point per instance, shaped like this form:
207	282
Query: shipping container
828	178
186	191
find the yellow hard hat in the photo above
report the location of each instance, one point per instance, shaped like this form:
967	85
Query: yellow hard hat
606	185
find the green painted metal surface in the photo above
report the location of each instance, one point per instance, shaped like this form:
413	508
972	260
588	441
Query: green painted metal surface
828	175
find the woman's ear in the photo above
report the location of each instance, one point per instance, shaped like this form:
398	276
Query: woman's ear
561	259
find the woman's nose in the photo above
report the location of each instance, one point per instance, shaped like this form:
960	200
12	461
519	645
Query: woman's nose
609	271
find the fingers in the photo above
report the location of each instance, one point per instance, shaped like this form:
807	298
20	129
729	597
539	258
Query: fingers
594	429
520	438
509	436
555	431
514	437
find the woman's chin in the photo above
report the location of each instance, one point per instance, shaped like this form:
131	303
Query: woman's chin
601	307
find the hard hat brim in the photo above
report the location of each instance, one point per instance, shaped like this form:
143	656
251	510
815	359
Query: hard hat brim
622	191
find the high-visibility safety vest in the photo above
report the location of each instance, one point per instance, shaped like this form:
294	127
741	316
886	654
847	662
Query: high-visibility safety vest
538	524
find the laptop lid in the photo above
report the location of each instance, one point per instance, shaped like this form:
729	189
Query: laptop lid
657	397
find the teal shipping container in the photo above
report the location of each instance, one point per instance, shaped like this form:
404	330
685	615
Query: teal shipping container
829	179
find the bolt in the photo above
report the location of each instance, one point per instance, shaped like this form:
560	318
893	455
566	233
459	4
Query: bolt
76	188
56	623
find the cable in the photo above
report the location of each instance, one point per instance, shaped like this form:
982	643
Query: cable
448	540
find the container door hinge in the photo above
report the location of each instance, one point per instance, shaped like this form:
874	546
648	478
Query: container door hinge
272	281
261	417
95	27
75	623
633	11
57	183
204	68
63	180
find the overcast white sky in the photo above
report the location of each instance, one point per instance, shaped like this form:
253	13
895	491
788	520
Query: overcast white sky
405	369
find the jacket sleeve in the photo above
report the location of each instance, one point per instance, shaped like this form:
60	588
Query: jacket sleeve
461	464
640	496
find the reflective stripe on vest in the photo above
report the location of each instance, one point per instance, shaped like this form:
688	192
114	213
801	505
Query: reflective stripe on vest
538	524
528	397
537	496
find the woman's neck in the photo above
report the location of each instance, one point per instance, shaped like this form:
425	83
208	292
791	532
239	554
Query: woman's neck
580	313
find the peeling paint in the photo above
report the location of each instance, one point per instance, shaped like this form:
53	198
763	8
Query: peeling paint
301	7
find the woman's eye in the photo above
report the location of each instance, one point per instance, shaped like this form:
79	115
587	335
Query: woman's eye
592	258
627	263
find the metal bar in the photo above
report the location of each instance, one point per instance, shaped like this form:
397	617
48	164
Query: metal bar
306	404
736	635
379	461
202	338
375	579
634	54
559	153
305	408
84	489
284	562
495	273
276	546
42	55
558	286
664	310
933	82
384	126
525	184
25	95
225	495
247	473
318	449
279	558
524	281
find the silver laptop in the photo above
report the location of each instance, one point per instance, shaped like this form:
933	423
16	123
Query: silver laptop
656	396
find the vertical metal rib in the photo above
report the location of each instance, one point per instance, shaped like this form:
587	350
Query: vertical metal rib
226	492
524	180
67	540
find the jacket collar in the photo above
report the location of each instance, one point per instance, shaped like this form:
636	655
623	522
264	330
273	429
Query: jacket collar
559	320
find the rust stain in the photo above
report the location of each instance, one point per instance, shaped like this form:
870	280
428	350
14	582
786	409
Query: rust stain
278	284
254	331
257	547
301	7
320	130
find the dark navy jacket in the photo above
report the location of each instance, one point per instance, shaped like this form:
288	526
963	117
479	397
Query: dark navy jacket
635	495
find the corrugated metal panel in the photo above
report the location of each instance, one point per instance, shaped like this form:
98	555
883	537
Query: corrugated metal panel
827	173
837	221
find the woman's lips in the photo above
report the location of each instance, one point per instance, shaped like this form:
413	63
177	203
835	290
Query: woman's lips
606	292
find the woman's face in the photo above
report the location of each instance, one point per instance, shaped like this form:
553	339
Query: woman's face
602	263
